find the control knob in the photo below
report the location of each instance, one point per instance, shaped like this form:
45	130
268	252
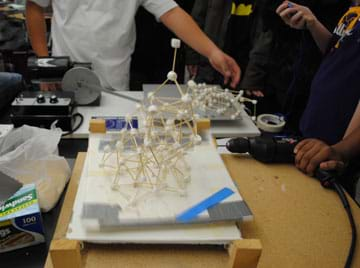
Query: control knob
54	99
40	98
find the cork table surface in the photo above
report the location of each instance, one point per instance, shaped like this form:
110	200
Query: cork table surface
299	223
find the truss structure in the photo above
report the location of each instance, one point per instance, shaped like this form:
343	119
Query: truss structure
152	155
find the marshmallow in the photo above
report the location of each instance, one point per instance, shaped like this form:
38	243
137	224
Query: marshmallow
191	84
175	43
186	98
152	109
172	76
197	139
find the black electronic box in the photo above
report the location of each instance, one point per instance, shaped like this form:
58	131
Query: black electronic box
42	109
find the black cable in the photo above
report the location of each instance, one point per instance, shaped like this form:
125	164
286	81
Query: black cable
77	127
340	191
328	179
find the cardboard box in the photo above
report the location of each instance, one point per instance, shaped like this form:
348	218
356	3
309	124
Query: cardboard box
20	220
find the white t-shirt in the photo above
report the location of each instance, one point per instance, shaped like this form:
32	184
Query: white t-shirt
101	32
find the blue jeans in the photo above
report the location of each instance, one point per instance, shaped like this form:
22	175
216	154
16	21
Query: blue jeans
9	80
10	86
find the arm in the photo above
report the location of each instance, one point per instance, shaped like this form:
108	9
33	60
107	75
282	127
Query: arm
253	80
36	26
192	58
300	17
198	14
349	147
184	26
354	123
311	153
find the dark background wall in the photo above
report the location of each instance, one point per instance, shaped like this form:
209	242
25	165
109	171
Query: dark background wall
152	58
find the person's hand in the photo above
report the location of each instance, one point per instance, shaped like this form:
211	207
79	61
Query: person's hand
313	153
192	69
50	86
255	92
296	16
227	66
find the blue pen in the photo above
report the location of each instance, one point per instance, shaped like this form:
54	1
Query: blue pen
290	5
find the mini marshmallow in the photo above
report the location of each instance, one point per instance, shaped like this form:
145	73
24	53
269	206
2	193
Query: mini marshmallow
128	118
170	122
152	109
191	84
175	43
172	76
197	139
186	98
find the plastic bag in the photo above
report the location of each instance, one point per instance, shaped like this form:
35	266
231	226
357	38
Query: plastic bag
30	155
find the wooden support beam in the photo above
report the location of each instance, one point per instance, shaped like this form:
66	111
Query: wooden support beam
203	125
245	253
65	253
97	126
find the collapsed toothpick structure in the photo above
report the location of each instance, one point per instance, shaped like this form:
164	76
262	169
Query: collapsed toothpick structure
215	102
151	155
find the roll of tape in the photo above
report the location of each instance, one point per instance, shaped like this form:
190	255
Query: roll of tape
270	123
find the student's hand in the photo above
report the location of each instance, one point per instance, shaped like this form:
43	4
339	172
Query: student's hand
50	86
227	66
296	16
255	92
312	153
193	70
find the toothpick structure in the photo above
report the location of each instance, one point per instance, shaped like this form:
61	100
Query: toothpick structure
153	154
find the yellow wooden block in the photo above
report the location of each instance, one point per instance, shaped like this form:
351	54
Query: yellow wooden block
203	124
245	253
65	253
97	126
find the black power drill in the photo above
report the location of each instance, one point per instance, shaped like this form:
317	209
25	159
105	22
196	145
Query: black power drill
280	149
277	149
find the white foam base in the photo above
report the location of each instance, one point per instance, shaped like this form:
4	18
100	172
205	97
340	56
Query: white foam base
209	234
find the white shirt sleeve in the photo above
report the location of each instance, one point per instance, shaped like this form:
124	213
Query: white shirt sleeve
158	7
42	3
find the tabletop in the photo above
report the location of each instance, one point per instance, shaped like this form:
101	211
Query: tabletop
299	223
